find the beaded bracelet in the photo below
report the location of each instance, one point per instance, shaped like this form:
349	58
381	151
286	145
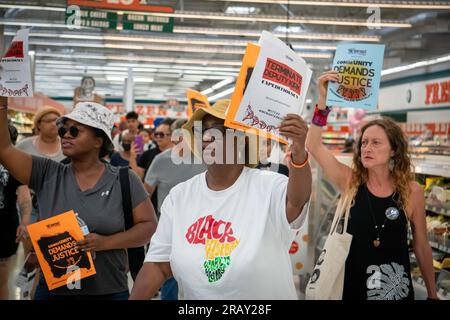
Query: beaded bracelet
298	166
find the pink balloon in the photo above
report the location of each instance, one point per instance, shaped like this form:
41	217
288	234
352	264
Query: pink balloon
359	114
354	123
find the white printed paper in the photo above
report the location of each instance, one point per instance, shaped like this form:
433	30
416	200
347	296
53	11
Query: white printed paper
15	73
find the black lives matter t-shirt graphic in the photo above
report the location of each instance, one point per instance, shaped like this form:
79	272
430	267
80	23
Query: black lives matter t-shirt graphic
60	253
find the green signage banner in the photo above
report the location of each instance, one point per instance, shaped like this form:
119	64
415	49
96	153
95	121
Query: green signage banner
92	18
139	22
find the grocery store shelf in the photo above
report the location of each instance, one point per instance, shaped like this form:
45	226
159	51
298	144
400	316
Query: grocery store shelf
439	247
22	123
438	211
435	245
434	170
333	143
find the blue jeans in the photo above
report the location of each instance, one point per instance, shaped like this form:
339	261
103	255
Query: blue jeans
42	293
169	290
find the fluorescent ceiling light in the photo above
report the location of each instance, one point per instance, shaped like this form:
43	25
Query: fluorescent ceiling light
135	79
166	47
206	31
281	19
240	10
139	47
139	58
28	7
257	34
236	17
218	85
356	3
314	46
415	65
222	83
291	29
180	49
37	24
207	91
221	94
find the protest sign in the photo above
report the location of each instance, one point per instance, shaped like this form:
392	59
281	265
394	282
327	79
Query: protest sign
273	82
196	100
54	241
359	66
15	68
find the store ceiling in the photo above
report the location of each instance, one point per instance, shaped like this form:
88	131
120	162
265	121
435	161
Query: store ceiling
206	46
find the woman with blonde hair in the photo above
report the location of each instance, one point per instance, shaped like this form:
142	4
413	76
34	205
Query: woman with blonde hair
383	198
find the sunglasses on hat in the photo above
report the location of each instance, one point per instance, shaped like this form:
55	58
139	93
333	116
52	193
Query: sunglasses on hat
73	130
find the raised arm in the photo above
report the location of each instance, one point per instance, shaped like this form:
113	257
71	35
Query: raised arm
18	163
299	184
338	173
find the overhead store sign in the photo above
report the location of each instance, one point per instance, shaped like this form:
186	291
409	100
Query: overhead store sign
93	18
140	22
151	110
416	95
131	5
83	13
437	92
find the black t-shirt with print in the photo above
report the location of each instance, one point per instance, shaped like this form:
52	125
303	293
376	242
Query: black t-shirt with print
8	189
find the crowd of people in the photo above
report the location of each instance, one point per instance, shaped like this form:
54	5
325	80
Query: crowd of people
212	229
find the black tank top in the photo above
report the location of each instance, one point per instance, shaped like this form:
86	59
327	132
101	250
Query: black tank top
383	272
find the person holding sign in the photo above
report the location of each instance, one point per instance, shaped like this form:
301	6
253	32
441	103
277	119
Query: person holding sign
226	233
385	197
89	187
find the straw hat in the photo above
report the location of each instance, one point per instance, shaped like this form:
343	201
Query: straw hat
43	112
218	110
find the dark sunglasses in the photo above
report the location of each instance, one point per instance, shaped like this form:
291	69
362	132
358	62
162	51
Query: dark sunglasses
161	134
73	130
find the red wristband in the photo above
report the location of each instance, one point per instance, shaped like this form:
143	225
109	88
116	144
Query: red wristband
320	116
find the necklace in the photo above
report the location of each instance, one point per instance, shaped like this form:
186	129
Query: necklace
377	241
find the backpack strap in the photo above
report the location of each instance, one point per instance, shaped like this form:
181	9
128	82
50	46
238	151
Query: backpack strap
124	177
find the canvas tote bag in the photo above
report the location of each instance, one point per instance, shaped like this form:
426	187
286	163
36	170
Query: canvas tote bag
327	279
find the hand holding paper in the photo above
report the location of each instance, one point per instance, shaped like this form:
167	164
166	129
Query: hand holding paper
322	84
295	128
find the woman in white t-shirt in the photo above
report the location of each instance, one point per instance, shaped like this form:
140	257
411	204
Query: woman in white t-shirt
226	233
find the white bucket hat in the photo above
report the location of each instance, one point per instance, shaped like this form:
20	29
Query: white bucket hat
93	115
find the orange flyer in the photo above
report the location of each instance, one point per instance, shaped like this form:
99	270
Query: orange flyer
196	100
248	65
54	241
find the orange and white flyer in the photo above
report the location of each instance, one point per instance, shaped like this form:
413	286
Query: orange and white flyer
247	67
54	241
196	100
277	86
